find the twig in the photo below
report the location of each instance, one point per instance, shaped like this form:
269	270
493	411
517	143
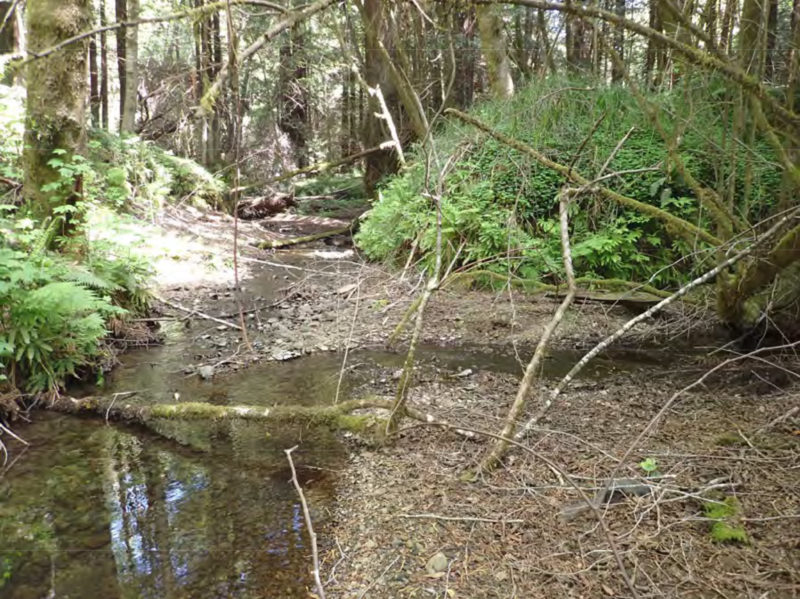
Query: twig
194	312
312	535
115	397
375	580
347	343
462	518
533	367
779	419
11	433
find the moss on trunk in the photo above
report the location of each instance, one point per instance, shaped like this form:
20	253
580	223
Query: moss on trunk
57	89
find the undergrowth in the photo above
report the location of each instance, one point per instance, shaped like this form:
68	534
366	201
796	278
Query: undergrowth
126	174
501	205
60	295
54	307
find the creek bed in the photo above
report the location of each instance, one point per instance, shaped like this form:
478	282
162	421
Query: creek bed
203	509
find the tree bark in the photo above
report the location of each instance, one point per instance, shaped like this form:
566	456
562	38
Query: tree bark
130	101
103	69
726	31
495	51
121	14
8	36
57	90
793	57
293	119
617	67
374	133
752	36
94	83
338	417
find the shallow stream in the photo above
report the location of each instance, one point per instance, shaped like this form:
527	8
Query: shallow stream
92	509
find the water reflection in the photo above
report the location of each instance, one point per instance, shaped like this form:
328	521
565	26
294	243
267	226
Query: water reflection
119	513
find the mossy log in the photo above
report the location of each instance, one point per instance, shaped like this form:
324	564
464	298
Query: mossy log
338	417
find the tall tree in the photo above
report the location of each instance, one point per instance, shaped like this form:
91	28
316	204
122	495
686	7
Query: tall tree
129	94
121	13
57	90
293	84
793	57
617	67
495	50
8	33
374	131
103	68
94	82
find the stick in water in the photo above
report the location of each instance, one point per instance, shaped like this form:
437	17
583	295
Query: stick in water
312	535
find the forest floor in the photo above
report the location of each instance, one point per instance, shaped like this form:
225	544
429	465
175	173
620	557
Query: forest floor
407	525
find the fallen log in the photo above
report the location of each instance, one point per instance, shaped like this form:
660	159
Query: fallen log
279	243
338	417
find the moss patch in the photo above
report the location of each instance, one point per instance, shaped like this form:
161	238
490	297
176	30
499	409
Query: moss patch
726	527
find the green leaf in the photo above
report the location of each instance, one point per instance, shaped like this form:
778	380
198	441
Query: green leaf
649	465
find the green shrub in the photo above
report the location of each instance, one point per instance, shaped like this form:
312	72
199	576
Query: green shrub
54	310
501	204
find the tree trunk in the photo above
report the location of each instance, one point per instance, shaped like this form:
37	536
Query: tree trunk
293	120
374	131
214	138
545	50
57	89
94	83
8	36
654	54
464	34
121	10
710	22
793	57
578	42
495	50
752	35
617	67
771	39
130	102
103	69
726	33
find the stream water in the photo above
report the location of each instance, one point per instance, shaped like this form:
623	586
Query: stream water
201	509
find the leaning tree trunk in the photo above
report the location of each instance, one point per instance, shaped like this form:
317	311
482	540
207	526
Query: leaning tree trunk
57	91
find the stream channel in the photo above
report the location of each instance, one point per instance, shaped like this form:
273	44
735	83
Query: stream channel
203	509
